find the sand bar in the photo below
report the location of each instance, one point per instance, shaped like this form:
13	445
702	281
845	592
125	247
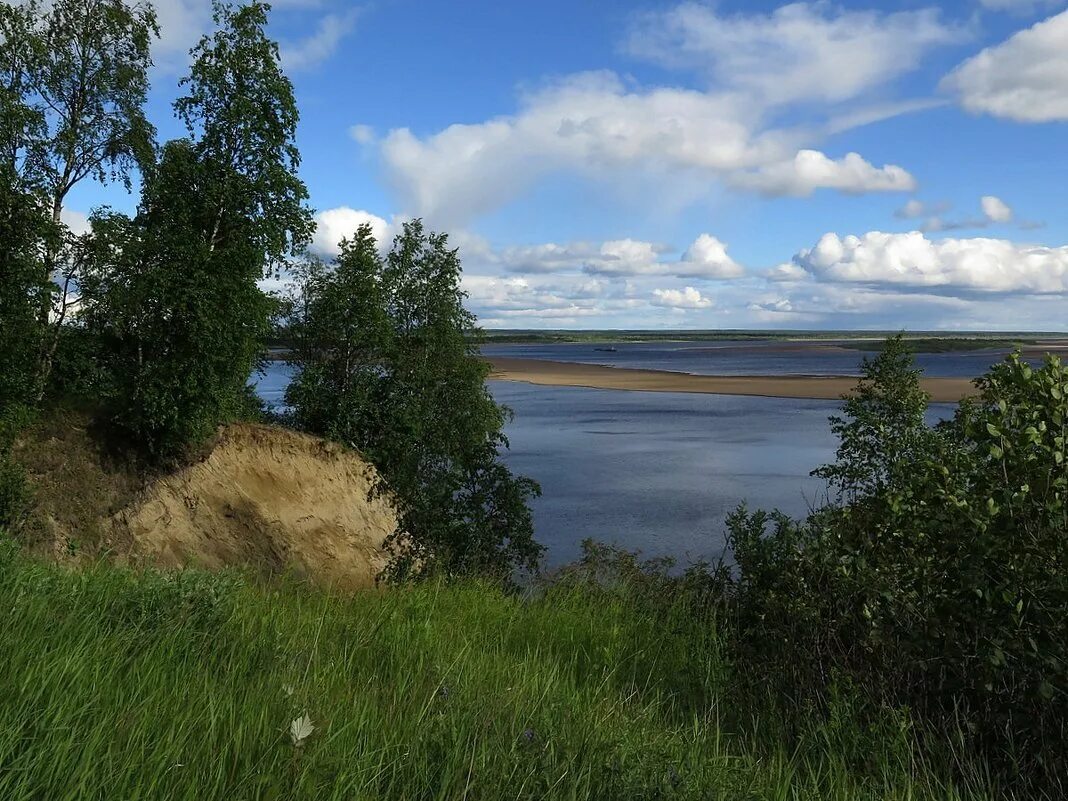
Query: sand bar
594	376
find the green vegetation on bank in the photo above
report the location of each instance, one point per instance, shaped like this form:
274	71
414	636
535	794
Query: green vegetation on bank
943	344
920	341
198	686
937	577
385	364
907	640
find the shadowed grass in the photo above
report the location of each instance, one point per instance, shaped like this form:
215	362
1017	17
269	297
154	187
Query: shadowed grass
146	686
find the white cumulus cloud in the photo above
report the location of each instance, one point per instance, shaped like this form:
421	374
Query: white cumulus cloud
911	210
76	221
995	209
706	258
601	126
687	298
589	124
810	170
364	134
1021	79
333	225
777	306
911	259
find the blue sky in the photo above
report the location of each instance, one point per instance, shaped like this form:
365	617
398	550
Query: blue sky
627	164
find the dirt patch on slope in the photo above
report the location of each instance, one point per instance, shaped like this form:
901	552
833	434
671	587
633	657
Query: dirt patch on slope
266	497
77	486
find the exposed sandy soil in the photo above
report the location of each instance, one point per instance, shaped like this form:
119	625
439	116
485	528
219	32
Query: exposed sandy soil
265	497
76	486
570	374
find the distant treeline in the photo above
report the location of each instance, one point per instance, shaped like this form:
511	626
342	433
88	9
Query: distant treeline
919	342
942	345
923	341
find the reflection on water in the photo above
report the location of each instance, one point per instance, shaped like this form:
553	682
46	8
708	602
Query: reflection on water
659	471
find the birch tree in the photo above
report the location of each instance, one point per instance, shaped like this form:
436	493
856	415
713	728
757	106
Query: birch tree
75	77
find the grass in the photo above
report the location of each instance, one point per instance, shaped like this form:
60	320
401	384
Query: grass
119	685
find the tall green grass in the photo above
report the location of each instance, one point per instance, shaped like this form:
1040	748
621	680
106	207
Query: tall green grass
118	685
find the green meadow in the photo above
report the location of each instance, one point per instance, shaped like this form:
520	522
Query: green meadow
124	685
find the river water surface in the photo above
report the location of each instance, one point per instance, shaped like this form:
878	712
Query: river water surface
659	471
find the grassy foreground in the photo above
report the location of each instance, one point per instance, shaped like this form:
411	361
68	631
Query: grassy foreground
116	685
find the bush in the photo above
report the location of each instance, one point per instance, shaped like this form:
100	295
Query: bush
77	375
15	490
15	493
942	580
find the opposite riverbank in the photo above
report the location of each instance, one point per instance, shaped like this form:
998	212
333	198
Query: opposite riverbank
594	376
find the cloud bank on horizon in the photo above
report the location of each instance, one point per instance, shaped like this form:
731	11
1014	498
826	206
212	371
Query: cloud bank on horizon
703	165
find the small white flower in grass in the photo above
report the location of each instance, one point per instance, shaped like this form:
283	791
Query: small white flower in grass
288	689
300	729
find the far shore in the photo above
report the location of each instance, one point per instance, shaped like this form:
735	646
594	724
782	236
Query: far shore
593	376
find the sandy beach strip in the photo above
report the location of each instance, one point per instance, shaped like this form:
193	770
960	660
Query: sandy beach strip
593	376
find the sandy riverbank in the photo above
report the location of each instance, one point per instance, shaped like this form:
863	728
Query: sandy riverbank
570	374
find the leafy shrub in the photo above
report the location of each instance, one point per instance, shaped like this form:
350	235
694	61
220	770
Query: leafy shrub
940	579
15	492
77	375
15	489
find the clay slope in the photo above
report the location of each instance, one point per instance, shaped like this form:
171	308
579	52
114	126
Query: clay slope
269	498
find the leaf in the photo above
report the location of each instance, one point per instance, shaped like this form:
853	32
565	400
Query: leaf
992	430
300	729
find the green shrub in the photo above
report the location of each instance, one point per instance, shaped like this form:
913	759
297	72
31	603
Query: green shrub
15	490
77	375
941	579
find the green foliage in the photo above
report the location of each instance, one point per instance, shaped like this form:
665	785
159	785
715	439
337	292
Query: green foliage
341	335
944	584
179	326
77	375
24	288
883	432
15	490
388	365
242	117
75	77
85	64
122	685
173	293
